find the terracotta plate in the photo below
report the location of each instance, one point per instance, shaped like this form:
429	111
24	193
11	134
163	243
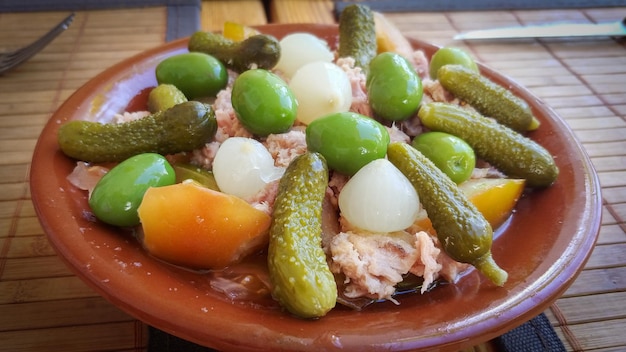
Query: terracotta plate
544	246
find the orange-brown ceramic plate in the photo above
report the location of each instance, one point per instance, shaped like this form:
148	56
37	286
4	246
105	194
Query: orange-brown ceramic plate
544	247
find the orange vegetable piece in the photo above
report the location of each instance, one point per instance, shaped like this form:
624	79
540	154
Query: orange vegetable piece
193	226
389	37
495	198
237	31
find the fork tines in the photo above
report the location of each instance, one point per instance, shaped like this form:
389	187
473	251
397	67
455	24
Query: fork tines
12	59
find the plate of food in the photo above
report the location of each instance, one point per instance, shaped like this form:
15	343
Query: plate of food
320	247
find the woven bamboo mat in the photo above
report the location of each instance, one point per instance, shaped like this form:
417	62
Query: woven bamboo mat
44	307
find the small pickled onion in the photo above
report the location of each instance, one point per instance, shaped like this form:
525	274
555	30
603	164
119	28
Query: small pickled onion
321	88
379	198
298	49
243	167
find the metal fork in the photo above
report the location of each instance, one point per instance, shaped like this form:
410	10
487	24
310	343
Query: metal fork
14	58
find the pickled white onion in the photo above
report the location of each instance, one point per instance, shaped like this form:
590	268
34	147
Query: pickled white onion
243	167
298	49
379	198
321	88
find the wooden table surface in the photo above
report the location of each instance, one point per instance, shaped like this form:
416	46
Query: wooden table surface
44	307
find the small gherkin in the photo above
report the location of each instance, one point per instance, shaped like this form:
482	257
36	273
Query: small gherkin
184	127
357	35
465	235
301	279
488	97
258	51
509	151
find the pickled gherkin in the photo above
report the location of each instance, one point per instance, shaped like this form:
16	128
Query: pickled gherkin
301	279
464	233
257	51
357	35
184	127
487	97
507	150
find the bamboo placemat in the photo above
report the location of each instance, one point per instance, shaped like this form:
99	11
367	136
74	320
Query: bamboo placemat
44	307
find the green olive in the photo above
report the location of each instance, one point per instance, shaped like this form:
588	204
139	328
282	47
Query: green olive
449	153
394	88
263	102
119	193
164	96
348	141
195	74
450	56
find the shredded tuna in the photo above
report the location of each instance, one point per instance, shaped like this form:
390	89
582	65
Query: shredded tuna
434	91
420	62
335	185
450	268
412	126
284	147
479	173
227	123
337	181
396	135
426	264
484	170
372	263
232	76
357	79
129	116
265	198
204	156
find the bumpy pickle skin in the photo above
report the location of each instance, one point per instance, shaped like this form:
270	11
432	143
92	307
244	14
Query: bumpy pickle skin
357	35
257	51
464	233
489	98
301	279
184	127
509	151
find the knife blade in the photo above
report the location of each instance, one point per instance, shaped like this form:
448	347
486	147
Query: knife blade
611	29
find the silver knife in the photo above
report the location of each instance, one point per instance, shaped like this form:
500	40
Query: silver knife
612	29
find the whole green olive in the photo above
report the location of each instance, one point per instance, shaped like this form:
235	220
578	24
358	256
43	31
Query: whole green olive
119	193
263	102
195	74
449	153
450	56
393	86
348	141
